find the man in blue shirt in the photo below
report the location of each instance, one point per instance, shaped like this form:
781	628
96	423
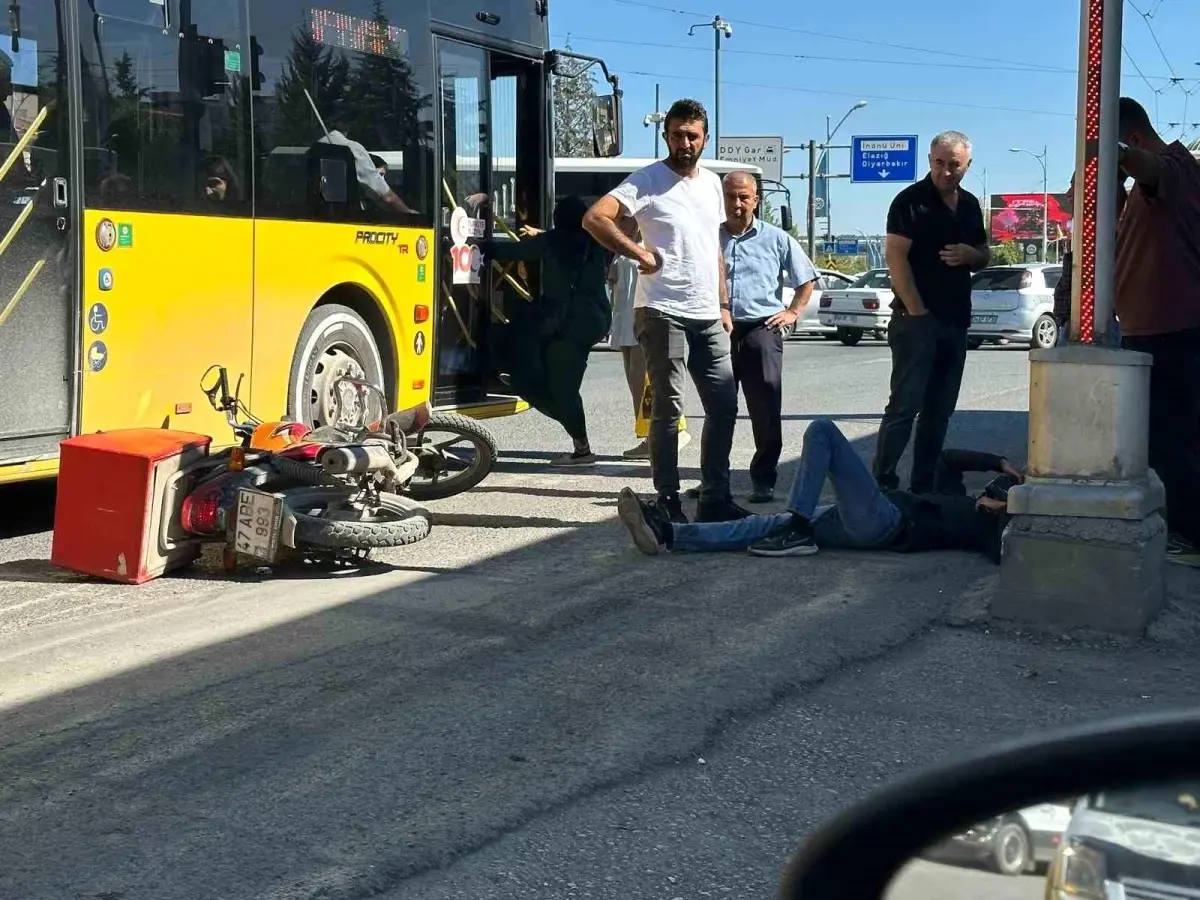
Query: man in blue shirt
759	257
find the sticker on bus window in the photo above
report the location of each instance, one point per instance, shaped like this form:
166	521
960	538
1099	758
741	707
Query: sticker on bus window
233	61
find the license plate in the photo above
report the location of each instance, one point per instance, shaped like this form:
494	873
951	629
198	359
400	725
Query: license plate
844	319
259	519
983	320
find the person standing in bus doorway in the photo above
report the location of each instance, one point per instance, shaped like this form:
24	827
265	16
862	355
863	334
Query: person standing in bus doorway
1157	299
570	316
758	256
935	238
681	309
622	284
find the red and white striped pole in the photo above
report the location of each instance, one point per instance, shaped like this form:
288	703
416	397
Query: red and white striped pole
1095	233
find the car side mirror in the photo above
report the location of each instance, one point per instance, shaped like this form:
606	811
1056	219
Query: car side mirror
1076	814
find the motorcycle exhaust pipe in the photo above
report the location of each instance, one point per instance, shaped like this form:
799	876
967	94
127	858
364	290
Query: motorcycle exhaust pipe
357	460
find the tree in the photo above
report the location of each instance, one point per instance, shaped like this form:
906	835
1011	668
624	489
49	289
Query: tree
124	77
1007	254
387	111
326	77
574	97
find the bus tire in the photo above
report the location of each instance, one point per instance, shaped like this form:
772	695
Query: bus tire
334	341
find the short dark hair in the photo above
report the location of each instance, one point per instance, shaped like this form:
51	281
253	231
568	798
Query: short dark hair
1132	116
686	111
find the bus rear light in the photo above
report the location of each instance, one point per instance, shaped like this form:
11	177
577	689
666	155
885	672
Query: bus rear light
420	313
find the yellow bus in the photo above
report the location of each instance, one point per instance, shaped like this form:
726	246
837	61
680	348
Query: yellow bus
291	189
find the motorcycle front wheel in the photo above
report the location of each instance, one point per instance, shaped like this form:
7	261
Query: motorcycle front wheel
454	453
329	519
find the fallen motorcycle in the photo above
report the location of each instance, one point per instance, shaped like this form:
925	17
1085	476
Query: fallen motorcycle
454	452
265	501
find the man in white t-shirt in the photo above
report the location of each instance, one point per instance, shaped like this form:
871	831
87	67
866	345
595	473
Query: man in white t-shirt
681	314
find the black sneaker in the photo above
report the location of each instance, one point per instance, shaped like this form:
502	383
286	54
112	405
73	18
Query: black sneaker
692	493
793	541
762	495
720	511
672	509
647	525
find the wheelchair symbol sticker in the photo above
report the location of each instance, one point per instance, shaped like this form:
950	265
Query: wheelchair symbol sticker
98	318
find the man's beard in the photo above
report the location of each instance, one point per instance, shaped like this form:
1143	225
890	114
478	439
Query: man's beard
685	157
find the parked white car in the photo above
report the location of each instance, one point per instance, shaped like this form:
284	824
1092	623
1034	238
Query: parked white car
864	307
1014	303
810	322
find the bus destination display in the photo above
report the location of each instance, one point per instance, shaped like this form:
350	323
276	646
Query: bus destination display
335	29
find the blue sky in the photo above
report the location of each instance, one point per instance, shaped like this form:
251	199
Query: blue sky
1003	72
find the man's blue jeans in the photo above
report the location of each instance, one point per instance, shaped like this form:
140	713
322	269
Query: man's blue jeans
862	519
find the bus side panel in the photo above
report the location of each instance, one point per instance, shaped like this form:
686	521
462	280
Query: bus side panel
299	264
169	299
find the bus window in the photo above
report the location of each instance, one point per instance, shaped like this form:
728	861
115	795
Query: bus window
163	108
371	84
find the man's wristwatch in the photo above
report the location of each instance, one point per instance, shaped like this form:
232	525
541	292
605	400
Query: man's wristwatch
725	306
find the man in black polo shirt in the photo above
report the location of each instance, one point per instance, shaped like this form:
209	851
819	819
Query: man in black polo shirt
935	238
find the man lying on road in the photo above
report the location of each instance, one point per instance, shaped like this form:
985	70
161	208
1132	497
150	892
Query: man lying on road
864	517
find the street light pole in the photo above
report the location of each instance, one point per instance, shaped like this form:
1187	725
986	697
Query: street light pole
823	163
719	27
1041	158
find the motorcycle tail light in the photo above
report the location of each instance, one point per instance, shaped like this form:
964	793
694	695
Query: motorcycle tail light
826	302
870	304
201	512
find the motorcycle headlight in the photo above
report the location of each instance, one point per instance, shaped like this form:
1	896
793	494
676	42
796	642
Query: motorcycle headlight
1081	873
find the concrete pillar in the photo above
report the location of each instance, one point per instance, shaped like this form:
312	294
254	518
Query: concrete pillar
1086	547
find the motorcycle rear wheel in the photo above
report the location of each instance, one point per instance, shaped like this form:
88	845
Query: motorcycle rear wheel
328	521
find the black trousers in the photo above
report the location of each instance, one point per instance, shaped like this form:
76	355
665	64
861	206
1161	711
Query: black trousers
758	368
1175	422
928	357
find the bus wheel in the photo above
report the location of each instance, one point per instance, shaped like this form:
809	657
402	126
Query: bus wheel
335	342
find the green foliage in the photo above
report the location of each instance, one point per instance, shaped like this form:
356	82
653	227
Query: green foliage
574	98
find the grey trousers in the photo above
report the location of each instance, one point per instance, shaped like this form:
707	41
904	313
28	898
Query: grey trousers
672	346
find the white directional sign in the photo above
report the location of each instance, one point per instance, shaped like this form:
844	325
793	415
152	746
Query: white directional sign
764	152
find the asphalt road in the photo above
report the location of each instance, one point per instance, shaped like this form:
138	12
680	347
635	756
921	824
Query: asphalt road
518	706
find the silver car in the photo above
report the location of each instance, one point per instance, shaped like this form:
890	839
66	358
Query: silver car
1015	304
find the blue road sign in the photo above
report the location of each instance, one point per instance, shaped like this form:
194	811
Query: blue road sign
847	248
881	159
